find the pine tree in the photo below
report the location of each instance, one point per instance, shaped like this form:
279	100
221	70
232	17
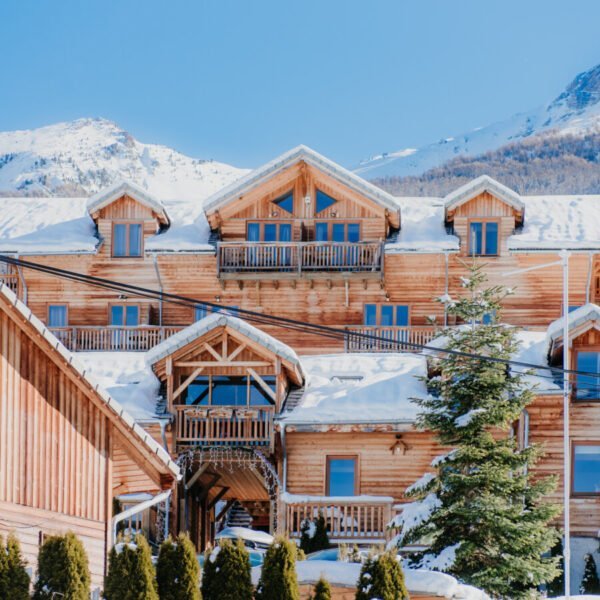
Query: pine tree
487	520
556	586
278	580
381	577
177	570
226	574
322	590
313	535
131	573
62	569
16	580
590	583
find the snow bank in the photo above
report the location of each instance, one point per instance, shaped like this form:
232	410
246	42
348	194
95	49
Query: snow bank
384	393
244	533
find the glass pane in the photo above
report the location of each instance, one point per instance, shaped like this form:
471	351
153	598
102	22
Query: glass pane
353	232
253	232
586	469
322	232
120	240
387	315
587	386
57	315
370	314
116	315
270	232
258	396
323	201
197	392
285	232
286	202
132	316
229	391
199	312
402	315
475	238
341	476
491	238
489	317
135	239
339	232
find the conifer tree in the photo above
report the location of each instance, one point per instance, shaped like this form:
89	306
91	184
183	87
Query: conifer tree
590	583
322	590
487	520
131	573
177	570
3	569
62	569
226	574
313	535
16	581
278	580
556	586
381	577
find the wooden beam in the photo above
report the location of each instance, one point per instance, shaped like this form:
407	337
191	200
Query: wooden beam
237	351
222	512
223	491
212	351
187	382
263	384
195	476
224	363
208	487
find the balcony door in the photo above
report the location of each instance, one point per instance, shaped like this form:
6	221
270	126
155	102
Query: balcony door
271	233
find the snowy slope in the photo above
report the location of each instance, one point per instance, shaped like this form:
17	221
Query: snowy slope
79	158
576	111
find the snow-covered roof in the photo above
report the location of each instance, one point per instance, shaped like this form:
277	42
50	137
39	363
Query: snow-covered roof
360	388
483	183
120	188
116	409
284	161
583	318
203	326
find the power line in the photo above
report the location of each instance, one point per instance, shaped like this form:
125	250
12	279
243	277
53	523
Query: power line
260	318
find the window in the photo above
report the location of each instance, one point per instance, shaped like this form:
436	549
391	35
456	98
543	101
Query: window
341	476
587	387
483	238
386	315
586	468
127	239
57	315
224	390
269	232
324	201
326	231
286	202
124	315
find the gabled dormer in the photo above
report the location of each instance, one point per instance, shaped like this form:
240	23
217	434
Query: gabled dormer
126	215
483	214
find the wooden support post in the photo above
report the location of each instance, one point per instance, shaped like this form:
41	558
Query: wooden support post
214	501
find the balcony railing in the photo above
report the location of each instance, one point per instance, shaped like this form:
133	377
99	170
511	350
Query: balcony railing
388	339
357	518
224	425
111	339
299	257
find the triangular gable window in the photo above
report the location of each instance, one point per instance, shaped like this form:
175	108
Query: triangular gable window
286	202
324	201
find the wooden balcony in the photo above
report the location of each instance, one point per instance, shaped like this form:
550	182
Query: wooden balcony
113	339
394	339
253	260
224	425
349	519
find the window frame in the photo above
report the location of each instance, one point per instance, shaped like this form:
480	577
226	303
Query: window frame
317	189
574	494
345	222
378	306
484	221
261	224
281	197
66	315
355	458
576	350
249	378
127	239
124	305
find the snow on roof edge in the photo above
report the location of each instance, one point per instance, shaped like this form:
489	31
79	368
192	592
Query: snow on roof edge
484	182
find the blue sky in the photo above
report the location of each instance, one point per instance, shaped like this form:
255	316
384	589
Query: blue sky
241	81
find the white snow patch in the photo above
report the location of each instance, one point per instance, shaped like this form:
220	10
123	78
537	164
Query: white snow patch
468	417
415	513
421	483
246	534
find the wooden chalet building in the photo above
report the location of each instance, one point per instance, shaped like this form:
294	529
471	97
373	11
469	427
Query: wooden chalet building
269	419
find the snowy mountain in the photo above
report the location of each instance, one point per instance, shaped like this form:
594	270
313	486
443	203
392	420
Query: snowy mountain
80	157
575	112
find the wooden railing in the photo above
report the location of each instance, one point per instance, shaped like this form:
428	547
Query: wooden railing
110	339
388	339
224	425
360	518
299	257
11	280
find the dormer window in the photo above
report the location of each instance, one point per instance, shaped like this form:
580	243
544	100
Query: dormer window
587	387
127	239
483	238
324	201
286	202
